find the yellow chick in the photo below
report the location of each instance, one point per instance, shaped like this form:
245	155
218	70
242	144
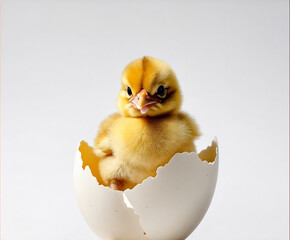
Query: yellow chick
149	128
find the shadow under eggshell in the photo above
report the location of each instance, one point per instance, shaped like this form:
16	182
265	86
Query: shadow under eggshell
170	205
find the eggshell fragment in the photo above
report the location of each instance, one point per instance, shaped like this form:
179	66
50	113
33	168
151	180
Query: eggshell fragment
170	205
104	209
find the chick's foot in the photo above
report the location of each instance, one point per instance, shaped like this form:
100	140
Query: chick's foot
116	184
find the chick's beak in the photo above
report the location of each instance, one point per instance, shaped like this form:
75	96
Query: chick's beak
143	101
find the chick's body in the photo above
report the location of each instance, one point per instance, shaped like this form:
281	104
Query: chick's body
130	146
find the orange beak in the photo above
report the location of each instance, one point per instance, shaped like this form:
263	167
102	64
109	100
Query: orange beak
143	101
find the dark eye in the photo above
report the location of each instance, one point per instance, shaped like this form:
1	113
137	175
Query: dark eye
161	91
129	91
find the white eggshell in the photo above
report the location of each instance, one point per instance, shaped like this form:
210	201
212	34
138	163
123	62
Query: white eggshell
170	206
104	209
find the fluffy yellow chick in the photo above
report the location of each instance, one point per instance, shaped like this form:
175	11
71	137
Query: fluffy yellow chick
149	128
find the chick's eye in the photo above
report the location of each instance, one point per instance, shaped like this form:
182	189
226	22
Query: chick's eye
129	91
161	91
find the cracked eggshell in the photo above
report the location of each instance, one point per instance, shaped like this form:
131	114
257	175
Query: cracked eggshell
103	208
168	206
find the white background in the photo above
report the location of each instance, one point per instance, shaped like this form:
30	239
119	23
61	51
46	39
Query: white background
61	68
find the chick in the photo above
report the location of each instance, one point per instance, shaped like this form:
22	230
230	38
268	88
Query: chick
149	128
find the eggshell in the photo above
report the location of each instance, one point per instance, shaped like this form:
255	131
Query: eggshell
104	209
168	206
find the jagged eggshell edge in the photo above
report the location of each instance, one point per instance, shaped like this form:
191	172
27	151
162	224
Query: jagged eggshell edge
168	206
172	204
104	209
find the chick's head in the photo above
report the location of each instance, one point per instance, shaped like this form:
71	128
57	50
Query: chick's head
149	88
